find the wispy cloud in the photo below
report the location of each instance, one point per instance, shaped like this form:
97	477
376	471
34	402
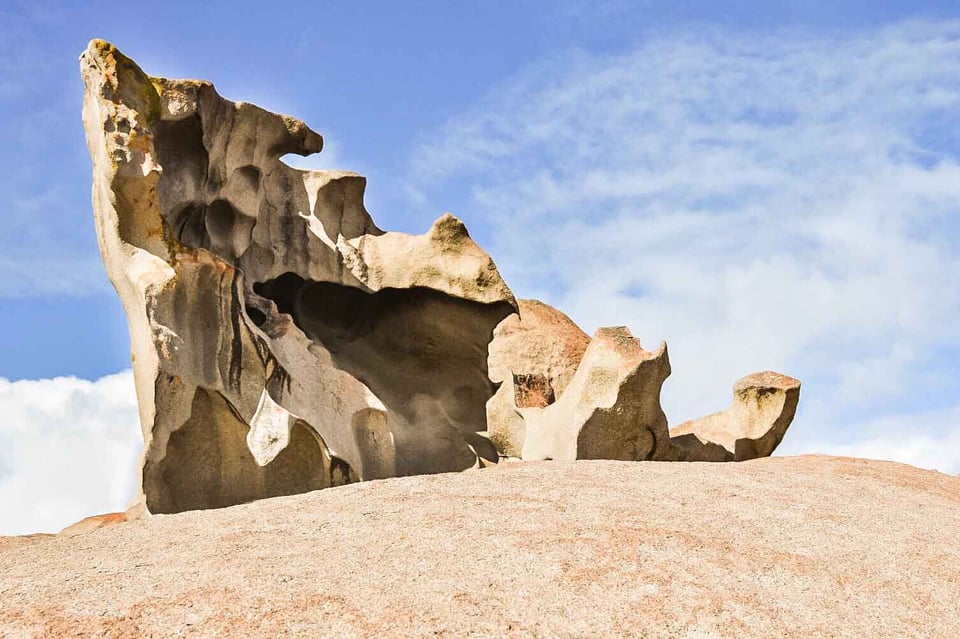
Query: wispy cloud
47	239
779	200
69	448
50	276
927	439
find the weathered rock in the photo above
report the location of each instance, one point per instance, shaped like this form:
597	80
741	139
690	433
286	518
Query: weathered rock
785	547
609	410
506	424
95	522
281	341
536	354
533	355
763	407
538	340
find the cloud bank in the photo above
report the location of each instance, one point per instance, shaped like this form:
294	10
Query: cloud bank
781	200
69	448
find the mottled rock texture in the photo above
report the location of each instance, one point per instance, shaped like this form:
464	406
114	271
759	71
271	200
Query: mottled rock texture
779	547
533	356
611	407
763	407
565	396
282	342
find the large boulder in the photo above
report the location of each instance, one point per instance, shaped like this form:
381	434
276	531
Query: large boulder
538	341
281	341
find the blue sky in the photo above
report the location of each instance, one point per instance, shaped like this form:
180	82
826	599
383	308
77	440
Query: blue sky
763	185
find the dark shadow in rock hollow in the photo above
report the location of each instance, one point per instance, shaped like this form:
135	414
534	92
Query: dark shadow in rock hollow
422	352
208	465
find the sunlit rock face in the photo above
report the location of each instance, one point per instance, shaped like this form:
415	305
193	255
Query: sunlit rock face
566	396
281	341
533	356
762	409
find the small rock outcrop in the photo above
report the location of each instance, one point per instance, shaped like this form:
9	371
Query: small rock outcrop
610	409
282	342
573	398
763	407
533	356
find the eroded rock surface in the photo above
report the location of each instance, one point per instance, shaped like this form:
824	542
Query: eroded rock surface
533	355
611	407
763	407
564	396
281	341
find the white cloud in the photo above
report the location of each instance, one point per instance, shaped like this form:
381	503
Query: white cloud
69	448
926	439
783	200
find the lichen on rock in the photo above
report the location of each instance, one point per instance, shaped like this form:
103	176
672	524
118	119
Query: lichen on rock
756	421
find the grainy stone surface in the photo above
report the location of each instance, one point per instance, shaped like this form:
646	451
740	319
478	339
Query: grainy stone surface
777	547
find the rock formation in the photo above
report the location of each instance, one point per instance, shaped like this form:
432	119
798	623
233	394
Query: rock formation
282	342
610	409
533	356
271	321
566	397
763	407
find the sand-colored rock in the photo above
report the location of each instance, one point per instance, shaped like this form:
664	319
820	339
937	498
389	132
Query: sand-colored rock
93	522
763	407
281	341
538	340
609	410
613	411
777	547
533	355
